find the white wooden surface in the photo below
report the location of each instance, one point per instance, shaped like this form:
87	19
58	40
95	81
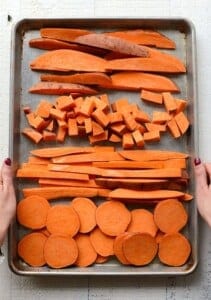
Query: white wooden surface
196	286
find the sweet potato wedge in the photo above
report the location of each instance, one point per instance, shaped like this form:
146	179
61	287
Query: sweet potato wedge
94	78
63	34
112	43
68	60
136	81
58	88
156	62
144	37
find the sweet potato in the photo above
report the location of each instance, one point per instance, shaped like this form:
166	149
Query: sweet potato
40	173
65	182
112	217
60	151
32	134
152	136
60	251
86	252
58	88
157	61
102	243
142	221
169	102
135	81
55	192
86	210
147	155
144	37
140	248
112	43
69	168
89	157
174	249
144	195
68	60
127	141
32	212
170	216
153	97
118	248
152	173
182	122
63	34
31	248
130	164
93	78
63	220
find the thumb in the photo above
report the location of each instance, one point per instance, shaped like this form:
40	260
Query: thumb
7	173
201	176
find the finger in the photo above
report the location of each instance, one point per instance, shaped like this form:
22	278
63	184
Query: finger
7	173
201	177
208	170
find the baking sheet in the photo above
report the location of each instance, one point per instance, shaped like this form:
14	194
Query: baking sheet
22	78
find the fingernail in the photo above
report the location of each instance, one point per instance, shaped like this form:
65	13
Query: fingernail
8	161
197	161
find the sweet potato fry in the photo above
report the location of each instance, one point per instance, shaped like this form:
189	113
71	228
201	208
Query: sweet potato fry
60	151
147	155
63	34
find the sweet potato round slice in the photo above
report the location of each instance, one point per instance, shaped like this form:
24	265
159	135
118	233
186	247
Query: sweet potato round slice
174	249
60	251
170	216
86	252
142	221
30	249
86	210
62	219
140	248
32	212
112	217
102	243
118	248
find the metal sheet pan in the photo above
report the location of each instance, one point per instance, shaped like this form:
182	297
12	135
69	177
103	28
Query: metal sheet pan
182	32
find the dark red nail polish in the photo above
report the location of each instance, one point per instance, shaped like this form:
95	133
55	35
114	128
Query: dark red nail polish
197	161
8	161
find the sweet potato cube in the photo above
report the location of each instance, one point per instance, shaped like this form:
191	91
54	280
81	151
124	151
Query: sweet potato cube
169	102
65	103
43	109
87	107
115	117
129	121
114	138
153	97
127	141
98	138
72	127
88	125
57	114
96	129
152	136
173	128
101	117
32	134
182	122
160	117
138	138
61	134
48	136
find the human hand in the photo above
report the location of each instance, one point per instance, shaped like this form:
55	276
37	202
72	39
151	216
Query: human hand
203	189
7	198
